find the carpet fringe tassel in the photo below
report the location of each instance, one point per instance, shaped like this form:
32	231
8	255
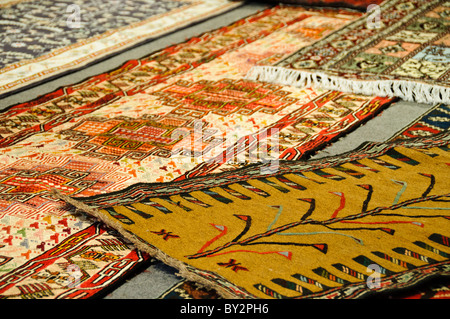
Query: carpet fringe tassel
183	269
407	90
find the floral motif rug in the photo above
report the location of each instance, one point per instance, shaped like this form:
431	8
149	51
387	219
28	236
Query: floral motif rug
400	48
370	221
43	39
156	119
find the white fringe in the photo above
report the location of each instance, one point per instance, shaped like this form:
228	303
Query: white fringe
407	90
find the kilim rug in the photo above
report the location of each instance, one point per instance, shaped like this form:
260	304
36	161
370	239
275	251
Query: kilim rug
435	291
373	220
189	290
435	121
356	4
401	48
141	123
43	39
69	252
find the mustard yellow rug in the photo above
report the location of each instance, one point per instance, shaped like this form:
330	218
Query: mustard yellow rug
42	40
369	221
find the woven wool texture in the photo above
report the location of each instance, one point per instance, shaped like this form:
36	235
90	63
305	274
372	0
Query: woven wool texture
314	229
400	49
356	4
122	127
55	37
435	121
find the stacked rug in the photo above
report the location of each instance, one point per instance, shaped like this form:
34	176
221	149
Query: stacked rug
401	48
372	220
435	121
136	123
98	177
57	37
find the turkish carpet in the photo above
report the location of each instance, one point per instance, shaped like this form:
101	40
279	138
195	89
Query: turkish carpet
373	220
434	291
435	121
43	39
401	48
355	4
429	290
141	123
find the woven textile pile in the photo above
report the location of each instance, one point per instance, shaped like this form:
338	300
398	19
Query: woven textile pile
206	149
